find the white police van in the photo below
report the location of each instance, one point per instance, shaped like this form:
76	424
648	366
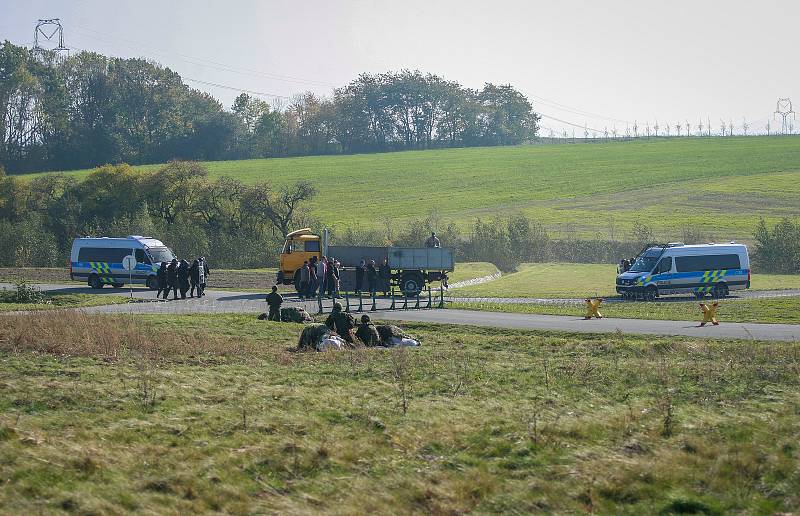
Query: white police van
99	260
677	268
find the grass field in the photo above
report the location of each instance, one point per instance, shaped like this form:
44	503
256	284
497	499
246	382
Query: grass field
213	413
558	280
718	185
471	270
775	310
55	301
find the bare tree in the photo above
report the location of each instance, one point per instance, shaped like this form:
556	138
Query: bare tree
278	208
700	128
721	127
745	125
655	127
635	129
730	127
688	128
767	127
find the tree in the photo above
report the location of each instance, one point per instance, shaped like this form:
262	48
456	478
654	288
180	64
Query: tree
279	209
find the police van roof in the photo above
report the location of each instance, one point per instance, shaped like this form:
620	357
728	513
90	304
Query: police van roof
145	241
681	248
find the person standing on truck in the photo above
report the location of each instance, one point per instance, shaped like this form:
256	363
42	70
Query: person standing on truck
161	278
372	278
433	241
360	275
385	274
274	301
304	278
172	278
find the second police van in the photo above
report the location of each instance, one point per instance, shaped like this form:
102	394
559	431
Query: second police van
677	268
98	261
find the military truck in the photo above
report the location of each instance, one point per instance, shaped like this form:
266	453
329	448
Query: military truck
412	268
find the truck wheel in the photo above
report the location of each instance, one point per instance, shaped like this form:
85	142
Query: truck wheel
720	291
152	283
94	281
411	283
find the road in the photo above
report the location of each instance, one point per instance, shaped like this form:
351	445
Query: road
221	301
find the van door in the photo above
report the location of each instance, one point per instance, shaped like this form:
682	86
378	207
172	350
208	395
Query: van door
662	275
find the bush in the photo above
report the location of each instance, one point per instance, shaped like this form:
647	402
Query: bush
778	250
24	294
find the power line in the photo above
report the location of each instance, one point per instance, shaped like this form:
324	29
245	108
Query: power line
226	87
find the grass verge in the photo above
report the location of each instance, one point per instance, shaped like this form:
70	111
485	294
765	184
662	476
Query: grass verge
558	280
784	310
56	301
212	413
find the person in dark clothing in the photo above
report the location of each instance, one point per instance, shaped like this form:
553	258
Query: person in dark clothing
367	333
274	301
372	278
332	278
172	278
203	273
161	278
433	241
312	278
304	277
183	278
360	270
341	322
194	278
385	274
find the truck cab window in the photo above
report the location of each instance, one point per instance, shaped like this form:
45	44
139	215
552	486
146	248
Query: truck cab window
311	246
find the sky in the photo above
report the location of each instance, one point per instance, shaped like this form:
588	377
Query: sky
589	63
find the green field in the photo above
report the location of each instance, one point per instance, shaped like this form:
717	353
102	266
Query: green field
720	186
559	280
784	310
214	413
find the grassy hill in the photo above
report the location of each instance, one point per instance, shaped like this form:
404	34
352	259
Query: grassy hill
720	185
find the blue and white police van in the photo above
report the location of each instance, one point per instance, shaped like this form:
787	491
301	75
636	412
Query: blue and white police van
677	268
99	260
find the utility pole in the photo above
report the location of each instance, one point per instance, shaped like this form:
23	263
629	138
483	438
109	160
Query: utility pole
688	128
50	30
784	108
708	119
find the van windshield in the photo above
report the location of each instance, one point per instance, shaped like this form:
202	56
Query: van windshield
643	264
160	254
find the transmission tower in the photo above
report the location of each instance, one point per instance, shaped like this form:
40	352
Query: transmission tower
50	31
784	108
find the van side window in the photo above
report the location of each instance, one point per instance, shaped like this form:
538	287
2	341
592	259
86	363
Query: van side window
665	265
311	246
708	262
141	257
102	254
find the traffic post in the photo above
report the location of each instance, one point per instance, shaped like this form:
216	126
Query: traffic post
129	264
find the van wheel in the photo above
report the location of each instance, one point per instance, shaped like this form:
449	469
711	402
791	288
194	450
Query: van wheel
720	291
152	283
650	294
699	295
94	281
117	285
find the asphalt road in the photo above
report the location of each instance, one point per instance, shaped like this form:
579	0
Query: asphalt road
220	301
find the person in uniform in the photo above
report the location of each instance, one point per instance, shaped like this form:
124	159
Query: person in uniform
161	278
172	278
341	322
194	278
202	273
360	275
304	277
274	301
367	333
433	241
372	278
385	274
183	278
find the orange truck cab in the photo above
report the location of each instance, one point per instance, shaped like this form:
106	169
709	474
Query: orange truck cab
299	247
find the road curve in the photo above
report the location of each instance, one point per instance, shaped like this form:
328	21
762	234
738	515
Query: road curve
223	301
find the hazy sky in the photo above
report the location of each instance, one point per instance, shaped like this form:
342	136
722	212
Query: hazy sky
624	61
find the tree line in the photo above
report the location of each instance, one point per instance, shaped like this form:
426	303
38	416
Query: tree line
90	109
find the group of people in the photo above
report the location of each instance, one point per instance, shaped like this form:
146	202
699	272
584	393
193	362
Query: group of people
625	265
378	278
322	274
181	276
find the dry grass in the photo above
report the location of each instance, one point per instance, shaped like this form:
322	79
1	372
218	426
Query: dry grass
475	420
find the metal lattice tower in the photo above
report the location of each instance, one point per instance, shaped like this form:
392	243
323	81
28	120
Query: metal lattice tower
784	108
49	30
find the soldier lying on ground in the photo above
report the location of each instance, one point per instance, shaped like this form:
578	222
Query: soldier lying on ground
367	333
341	322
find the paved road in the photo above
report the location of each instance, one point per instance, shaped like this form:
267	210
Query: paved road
218	301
